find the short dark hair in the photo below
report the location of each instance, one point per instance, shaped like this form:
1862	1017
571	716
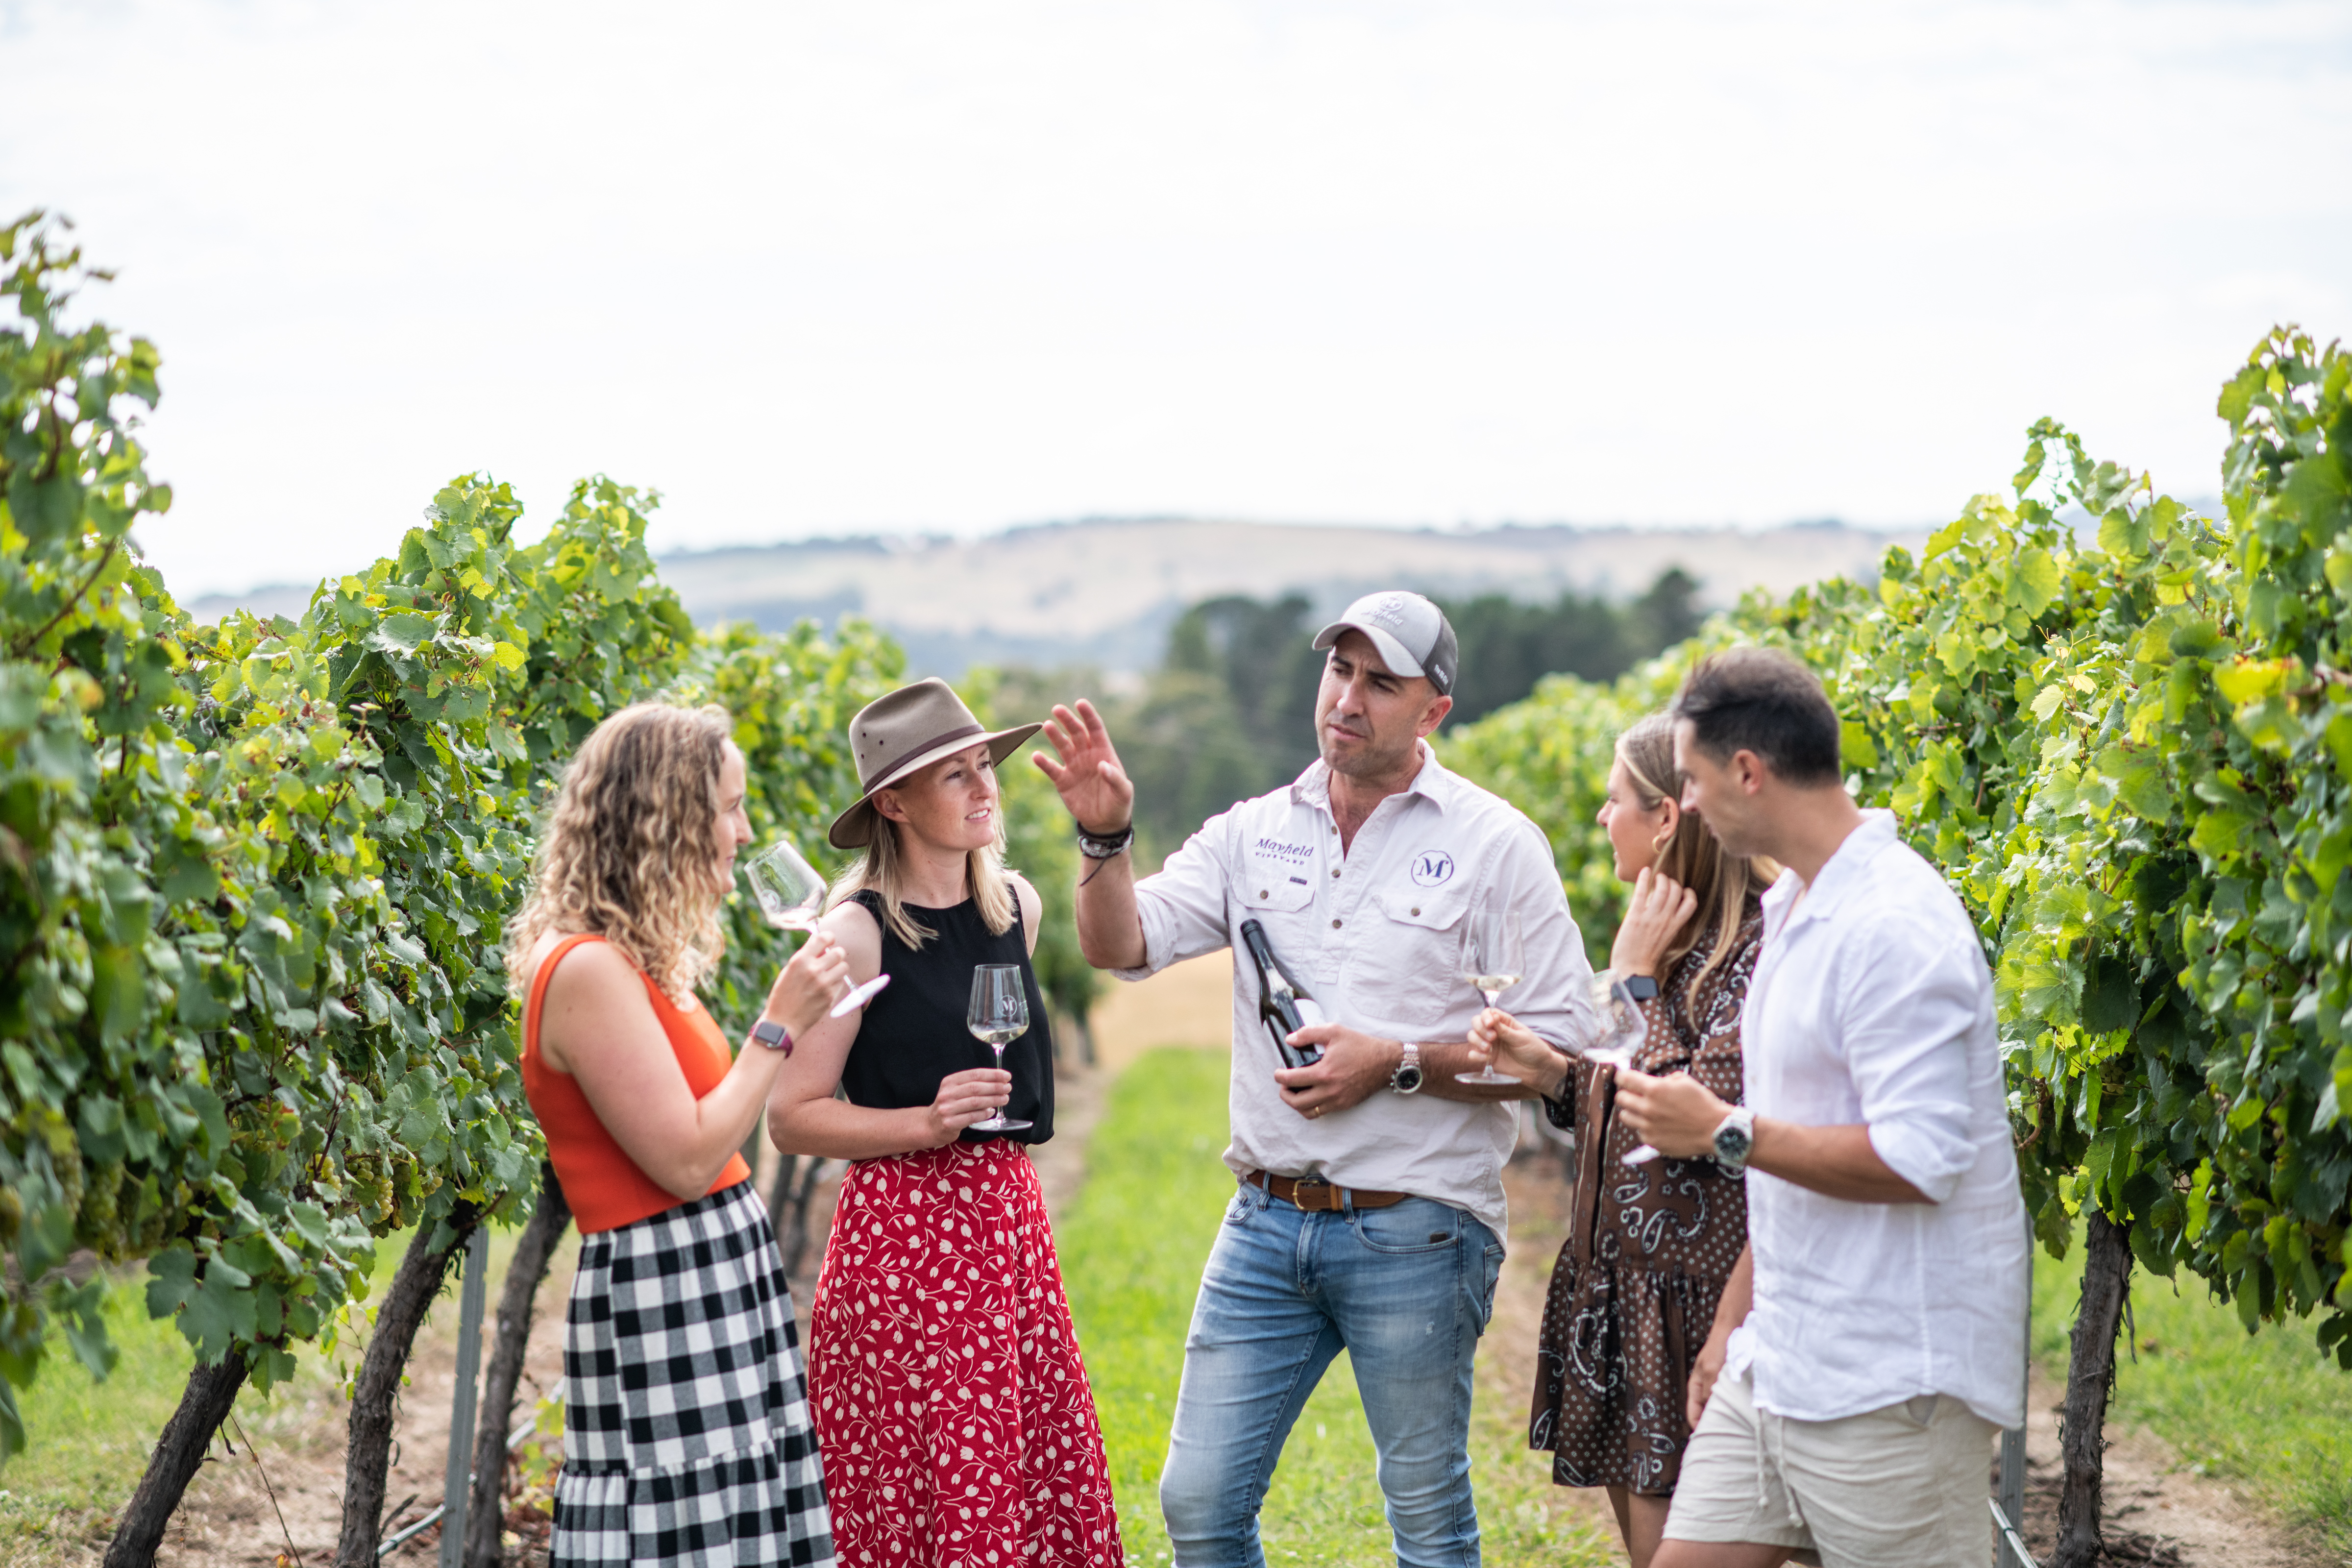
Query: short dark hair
1761	699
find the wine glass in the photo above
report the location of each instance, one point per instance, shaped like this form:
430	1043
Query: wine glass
1619	1033
792	894
999	1015
1493	959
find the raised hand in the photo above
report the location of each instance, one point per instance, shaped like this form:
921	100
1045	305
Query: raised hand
1659	907
1092	785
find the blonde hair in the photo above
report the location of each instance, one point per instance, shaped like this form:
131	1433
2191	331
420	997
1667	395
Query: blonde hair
881	871
630	846
1721	883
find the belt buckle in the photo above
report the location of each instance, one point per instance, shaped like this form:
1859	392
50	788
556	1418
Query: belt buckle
1328	1198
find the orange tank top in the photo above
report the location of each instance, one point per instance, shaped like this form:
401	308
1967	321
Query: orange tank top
603	1185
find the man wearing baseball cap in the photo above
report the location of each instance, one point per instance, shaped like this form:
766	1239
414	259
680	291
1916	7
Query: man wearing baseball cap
1369	1216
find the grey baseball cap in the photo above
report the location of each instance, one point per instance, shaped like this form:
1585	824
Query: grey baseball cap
1413	634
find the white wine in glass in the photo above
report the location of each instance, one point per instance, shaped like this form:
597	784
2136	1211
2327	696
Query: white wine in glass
999	1015
792	894
1494	958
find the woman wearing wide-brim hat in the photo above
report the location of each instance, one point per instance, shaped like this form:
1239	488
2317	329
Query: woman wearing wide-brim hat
951	1409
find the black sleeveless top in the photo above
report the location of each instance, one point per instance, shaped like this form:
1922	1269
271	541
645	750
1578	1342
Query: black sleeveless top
914	1034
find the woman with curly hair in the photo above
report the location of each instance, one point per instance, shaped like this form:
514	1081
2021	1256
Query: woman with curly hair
1650	1247
958	1428
687	1435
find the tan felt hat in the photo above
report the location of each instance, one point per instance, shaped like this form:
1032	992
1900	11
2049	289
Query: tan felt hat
896	736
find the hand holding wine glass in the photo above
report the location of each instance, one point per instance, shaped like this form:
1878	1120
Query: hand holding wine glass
1502	1040
964	1099
1493	959
1618	1033
792	896
805	987
999	1015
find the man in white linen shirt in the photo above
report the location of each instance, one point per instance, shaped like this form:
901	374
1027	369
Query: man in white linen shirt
1871	1339
1370	1213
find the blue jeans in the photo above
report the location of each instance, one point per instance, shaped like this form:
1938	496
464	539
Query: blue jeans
1405	1290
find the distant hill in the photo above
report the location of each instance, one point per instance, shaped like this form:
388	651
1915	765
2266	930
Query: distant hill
1105	591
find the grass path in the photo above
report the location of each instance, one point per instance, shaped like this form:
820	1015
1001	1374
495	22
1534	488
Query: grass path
1132	1250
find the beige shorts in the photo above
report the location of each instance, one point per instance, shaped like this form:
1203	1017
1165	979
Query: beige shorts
1905	1485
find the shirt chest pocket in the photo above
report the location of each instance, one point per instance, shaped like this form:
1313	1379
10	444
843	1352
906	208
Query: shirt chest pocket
1273	888
1419	963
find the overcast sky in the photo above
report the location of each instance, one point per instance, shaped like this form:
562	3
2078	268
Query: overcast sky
819	268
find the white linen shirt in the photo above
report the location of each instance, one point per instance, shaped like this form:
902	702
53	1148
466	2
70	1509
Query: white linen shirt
1375	934
1870	1004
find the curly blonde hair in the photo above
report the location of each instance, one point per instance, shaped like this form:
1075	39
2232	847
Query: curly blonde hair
630	843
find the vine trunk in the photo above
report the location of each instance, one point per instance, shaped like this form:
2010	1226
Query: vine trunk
422	1269
179	1452
2090	1379
533	1250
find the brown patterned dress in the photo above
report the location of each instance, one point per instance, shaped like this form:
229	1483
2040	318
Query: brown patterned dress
1649	1248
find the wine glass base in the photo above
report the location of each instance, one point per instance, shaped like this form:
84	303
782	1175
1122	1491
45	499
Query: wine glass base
1489	1075
1639	1155
858	996
1000	1124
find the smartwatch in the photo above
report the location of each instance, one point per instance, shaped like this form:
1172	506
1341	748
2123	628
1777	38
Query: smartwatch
1733	1139
1641	987
775	1036
1407	1077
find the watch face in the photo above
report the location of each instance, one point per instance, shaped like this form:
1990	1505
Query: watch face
1732	1143
1408	1079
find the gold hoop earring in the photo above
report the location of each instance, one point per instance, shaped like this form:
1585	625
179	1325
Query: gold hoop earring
1658	844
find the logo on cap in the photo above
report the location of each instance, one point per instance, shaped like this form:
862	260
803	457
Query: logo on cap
1390	610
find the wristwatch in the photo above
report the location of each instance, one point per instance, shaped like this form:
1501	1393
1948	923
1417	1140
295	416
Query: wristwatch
1733	1139
775	1036
1641	987
1407	1077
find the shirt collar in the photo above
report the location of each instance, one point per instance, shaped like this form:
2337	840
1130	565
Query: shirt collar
1840	874
1434	783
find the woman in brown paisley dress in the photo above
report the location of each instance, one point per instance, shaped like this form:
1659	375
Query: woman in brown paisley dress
1649	1245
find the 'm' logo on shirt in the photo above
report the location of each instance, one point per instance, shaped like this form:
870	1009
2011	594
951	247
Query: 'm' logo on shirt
1432	866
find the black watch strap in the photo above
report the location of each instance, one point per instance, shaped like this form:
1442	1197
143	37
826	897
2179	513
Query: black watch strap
1641	987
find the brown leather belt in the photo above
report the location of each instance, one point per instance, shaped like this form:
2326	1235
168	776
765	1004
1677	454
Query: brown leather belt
1317	1196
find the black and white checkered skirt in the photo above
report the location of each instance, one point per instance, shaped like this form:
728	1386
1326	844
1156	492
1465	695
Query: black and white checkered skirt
686	1437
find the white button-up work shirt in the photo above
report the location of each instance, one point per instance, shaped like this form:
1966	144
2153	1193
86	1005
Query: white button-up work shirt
1375	934
1870	1004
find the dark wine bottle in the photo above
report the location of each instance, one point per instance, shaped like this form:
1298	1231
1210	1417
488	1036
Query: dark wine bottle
1284	1005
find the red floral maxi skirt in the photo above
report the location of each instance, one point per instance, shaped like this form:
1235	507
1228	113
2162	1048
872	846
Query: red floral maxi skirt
952	1411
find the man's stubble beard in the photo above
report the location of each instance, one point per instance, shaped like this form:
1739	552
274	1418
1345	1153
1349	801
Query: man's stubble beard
1363	762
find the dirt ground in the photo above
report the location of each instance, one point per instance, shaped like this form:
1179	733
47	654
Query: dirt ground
2157	1512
